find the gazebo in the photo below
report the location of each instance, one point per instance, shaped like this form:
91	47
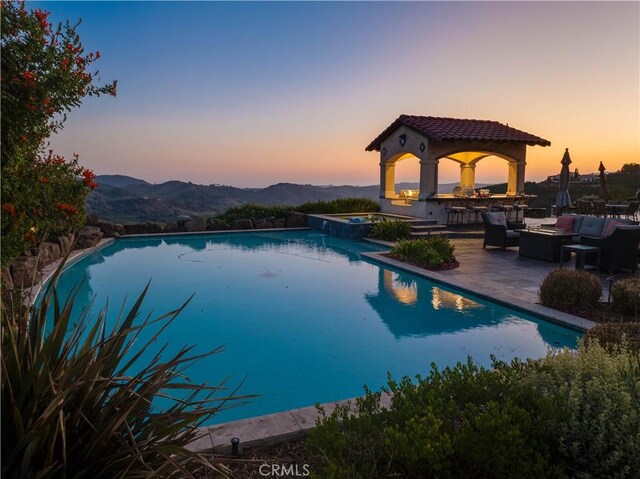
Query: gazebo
431	139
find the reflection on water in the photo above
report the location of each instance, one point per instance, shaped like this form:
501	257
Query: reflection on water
404	292
412	307
442	298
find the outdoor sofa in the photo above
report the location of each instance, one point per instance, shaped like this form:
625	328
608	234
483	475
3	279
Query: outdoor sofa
617	238
498	231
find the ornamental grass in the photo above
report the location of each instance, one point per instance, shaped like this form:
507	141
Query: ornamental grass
78	396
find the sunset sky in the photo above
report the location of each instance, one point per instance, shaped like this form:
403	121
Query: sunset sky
251	94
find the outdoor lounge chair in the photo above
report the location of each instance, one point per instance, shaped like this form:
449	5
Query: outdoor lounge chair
499	232
618	251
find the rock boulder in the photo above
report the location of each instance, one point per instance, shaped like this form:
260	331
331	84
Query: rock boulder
196	224
24	272
295	220
88	237
242	224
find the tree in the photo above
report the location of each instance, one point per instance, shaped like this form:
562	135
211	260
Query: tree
45	74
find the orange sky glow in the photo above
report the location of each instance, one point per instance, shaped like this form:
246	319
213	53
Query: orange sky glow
568	72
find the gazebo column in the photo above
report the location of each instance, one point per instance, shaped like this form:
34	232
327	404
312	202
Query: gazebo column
428	178
516	177
520	177
387	179
467	176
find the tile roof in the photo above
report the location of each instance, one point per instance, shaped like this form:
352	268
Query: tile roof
453	129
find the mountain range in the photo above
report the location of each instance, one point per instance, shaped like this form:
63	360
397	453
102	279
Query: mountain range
124	199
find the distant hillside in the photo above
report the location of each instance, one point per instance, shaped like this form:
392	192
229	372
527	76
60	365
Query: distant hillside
124	199
120	181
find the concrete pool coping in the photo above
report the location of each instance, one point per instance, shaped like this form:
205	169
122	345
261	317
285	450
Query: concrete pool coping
542	312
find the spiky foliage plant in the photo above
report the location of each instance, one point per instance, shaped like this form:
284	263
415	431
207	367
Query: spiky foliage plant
78	396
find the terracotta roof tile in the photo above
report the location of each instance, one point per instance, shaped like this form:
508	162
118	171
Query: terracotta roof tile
453	129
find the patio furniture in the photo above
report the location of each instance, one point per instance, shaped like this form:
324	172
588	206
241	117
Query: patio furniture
617	210
477	208
500	232
583	207
599	208
504	205
619	250
521	205
543	244
581	252
456	211
632	211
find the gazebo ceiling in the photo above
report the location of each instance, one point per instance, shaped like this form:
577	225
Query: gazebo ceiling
454	130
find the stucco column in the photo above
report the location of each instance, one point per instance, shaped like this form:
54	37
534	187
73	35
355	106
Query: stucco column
520	176
516	177
387	179
428	178
512	185
467	176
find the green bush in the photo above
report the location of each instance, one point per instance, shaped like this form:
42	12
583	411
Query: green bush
570	290
625	294
596	430
572	414
391	230
254	211
459	422
611	335
77	400
341	205
432	252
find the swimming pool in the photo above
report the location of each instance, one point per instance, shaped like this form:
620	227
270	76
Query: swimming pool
302	316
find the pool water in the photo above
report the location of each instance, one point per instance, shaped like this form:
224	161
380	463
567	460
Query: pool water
302	316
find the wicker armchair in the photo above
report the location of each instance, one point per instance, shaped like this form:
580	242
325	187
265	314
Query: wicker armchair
499	232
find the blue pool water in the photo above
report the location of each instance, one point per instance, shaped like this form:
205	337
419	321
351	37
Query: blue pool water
302	317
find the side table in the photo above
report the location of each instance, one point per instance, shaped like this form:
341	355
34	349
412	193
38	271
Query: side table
581	252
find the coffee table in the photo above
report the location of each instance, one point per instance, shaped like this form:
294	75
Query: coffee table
543	244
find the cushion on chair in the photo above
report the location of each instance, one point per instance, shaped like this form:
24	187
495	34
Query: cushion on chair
577	223
512	234
591	226
496	218
610	228
565	223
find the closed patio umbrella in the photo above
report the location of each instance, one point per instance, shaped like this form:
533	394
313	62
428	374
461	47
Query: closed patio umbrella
603	182
563	200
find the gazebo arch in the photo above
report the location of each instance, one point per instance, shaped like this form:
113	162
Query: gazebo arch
431	139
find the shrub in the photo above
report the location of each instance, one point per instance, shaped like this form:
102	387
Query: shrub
570	290
80	398
596	393
254	211
625	294
433	252
391	230
459	422
571	414
612	335
341	205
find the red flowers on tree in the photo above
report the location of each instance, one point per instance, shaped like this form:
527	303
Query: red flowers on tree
45	74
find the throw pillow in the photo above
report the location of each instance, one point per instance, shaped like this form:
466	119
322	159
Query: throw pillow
565	223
